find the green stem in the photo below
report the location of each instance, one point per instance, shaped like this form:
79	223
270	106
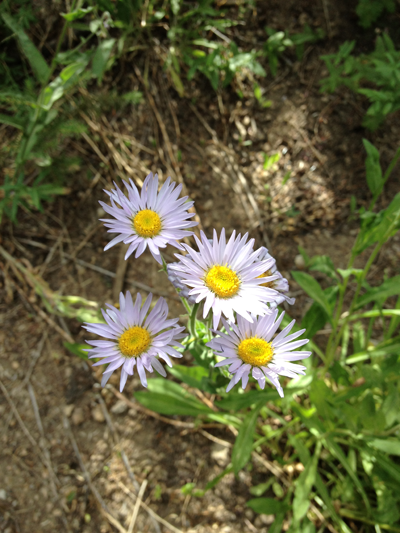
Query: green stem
59	44
348	514
355	297
386	176
192	320
330	353
394	322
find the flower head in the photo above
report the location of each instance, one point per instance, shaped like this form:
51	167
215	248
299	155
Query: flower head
250	346
275	280
151	218
226	276
135	337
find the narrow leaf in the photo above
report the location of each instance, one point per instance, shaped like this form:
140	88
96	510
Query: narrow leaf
266	505
313	289
101	57
244	441
11	121
373	169
35	58
390	287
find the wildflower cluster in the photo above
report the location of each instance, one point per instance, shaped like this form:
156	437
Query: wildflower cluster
238	285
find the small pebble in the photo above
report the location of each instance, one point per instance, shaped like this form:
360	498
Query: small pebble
119	408
299	262
68	410
77	416
97	414
3	494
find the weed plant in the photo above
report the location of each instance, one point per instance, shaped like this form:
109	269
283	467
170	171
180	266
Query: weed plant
338	425
375	75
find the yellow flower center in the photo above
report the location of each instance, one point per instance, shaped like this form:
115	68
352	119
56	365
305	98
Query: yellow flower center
223	281
269	284
134	341
255	352
147	223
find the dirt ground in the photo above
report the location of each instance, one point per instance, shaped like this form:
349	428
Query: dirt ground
74	456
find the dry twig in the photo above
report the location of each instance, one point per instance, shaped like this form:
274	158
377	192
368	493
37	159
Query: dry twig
148	509
137	506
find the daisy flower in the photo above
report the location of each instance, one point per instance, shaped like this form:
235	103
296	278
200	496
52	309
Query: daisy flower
226	276
135	337
151	218
250	346
276	280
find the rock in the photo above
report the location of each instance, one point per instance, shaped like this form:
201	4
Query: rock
299	262
220	454
77	416
264	520
223	515
119	408
3	494
68	410
97	414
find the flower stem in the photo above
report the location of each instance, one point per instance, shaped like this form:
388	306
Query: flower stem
192	320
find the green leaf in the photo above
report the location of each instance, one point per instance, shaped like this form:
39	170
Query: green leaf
270	160
175	6
306	480
373	169
68	77
200	353
323	492
346	273
389	466
390	287
77	349
204	42
101	58
391	406
319	393
211	484
323	264
35	58
381	350
267	506
176	80
191	375
385	225
236	401
276	527
168	398
12	121
337	451
76	14
258	490
244	441
389	446
314	320
317	427
314	290
304	455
